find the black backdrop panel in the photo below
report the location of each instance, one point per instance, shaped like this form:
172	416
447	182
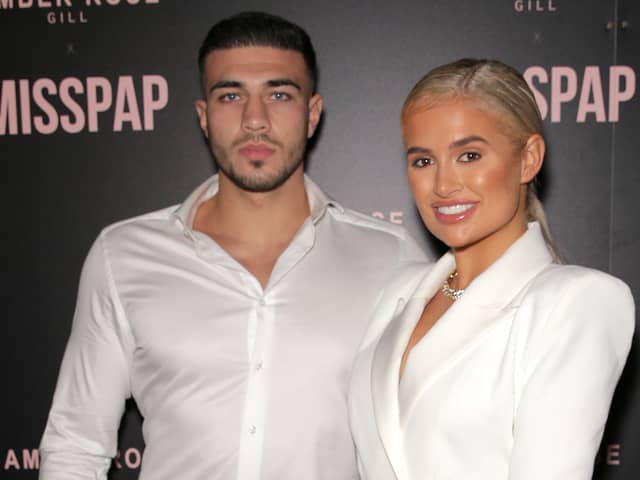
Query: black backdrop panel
97	124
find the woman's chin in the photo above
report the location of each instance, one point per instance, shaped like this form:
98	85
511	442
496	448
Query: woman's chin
455	242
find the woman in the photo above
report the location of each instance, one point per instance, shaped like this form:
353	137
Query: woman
497	362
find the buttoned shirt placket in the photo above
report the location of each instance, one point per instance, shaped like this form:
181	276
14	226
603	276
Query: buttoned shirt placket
260	328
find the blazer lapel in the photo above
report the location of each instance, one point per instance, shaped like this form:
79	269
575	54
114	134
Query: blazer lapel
388	355
384	380
452	337
486	301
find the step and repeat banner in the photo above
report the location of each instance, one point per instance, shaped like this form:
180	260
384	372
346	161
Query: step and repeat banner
97	124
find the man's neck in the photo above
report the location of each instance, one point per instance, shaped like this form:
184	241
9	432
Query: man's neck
254	228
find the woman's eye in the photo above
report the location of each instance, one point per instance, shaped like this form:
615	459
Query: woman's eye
422	162
470	156
280	96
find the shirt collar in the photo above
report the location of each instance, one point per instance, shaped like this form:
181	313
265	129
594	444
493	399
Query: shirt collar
186	212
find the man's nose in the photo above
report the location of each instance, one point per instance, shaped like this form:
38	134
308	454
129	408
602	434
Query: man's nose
255	117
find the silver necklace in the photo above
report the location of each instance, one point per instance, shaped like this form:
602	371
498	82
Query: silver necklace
450	292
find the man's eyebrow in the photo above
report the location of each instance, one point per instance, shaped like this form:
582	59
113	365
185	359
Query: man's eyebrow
466	140
283	82
276	82
225	84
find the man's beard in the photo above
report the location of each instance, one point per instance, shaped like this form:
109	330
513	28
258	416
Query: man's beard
258	181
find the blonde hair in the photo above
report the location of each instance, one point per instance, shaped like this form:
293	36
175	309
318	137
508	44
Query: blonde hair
496	88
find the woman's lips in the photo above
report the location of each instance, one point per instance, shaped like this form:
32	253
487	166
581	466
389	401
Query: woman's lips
450	213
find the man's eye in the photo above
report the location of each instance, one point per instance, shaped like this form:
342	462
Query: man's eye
422	162
229	97
470	156
280	96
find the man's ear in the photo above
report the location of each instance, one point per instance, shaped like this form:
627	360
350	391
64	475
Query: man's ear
315	112
201	110
532	158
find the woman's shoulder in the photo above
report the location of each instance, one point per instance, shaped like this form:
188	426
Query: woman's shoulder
561	279
574	294
400	285
566	306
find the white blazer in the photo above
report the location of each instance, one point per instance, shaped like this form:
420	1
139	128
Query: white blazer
513	382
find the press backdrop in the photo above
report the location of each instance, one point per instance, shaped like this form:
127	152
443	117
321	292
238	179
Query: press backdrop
97	124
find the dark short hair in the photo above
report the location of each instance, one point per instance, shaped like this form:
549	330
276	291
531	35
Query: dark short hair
259	29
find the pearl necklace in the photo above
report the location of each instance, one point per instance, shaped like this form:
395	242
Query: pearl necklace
450	292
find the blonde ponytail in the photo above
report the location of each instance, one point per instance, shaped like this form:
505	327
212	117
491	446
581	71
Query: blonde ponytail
535	213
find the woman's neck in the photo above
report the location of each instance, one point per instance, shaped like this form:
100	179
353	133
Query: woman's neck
472	260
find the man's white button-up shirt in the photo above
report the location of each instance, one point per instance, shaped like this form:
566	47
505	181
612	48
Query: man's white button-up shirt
233	381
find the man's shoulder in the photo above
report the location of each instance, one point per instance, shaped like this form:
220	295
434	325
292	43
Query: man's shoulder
378	236
367	222
154	221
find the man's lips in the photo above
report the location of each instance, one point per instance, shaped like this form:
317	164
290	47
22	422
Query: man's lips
256	151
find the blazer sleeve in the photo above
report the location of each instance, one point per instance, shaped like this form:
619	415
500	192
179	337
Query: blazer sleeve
579	339
80	438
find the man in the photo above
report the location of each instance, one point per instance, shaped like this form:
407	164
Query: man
233	319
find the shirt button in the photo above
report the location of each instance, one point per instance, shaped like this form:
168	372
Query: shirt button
258	366
262	302
252	429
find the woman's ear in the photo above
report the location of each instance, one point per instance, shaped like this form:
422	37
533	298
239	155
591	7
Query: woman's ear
532	158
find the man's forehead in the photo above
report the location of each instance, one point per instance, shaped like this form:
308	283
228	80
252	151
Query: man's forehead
255	58
255	65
